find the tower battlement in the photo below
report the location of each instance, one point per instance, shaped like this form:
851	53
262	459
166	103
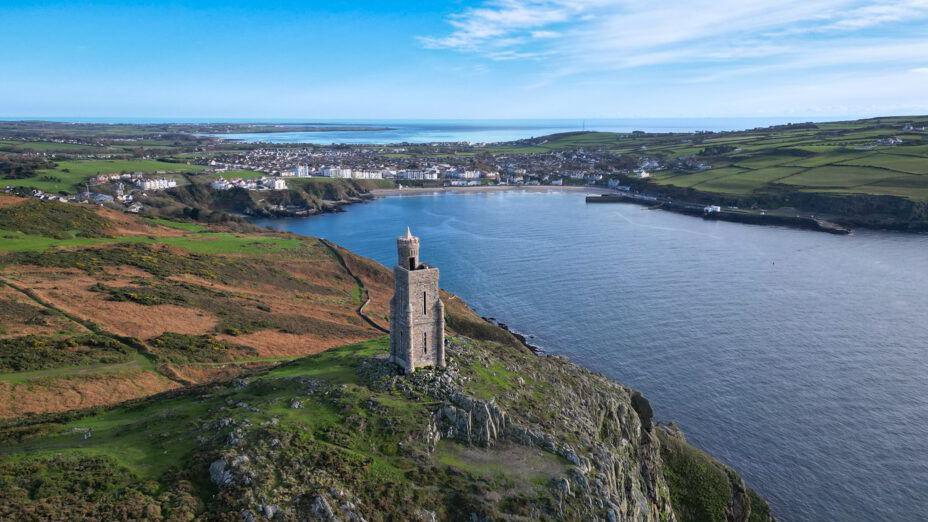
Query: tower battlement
417	315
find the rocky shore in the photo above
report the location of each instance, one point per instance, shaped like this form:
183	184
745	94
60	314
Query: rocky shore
537	350
831	212
780	217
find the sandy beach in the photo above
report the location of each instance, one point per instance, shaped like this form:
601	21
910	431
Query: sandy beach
415	191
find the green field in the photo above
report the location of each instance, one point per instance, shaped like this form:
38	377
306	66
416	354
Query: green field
831	158
909	164
840	176
44	146
744	182
697	179
68	175
121	148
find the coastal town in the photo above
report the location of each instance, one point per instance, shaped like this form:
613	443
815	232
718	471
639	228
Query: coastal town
188	170
463	165
213	164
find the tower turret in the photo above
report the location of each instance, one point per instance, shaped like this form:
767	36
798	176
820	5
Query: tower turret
417	315
407	250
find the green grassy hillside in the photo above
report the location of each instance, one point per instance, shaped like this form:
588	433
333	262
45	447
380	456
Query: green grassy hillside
97	307
67	176
825	158
341	433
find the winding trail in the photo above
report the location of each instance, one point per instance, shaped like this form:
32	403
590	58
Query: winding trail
364	291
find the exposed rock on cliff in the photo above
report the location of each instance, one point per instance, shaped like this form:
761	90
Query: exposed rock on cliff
304	197
499	434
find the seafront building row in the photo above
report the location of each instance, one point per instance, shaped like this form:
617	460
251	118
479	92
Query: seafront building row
434	173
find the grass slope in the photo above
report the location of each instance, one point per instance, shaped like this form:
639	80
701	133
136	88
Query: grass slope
183	302
840	157
331	425
67	176
144	454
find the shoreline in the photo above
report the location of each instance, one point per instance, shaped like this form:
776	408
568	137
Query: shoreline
417	191
597	195
750	217
607	195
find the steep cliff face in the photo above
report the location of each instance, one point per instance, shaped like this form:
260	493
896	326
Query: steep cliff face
493	395
304	197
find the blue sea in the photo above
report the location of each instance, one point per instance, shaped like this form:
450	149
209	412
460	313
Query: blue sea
472	131
492	131
799	358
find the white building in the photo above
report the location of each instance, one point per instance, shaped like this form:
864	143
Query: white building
274	183
155	184
335	172
464	174
301	171
367	174
421	175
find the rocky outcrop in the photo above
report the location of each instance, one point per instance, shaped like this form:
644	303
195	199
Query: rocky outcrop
612	461
481	423
601	429
199	201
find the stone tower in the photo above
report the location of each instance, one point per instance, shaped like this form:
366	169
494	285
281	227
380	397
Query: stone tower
417	315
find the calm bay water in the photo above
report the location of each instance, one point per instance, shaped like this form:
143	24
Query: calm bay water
799	358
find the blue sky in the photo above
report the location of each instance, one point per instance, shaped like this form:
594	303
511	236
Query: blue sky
464	59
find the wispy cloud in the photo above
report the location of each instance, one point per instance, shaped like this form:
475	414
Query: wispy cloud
506	29
726	37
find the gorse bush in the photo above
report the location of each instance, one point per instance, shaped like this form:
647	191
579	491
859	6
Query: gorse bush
37	352
53	219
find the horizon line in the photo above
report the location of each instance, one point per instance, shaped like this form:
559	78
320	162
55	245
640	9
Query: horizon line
317	119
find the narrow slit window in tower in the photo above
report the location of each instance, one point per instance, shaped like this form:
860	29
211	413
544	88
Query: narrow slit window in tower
424	309
425	343
412	263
